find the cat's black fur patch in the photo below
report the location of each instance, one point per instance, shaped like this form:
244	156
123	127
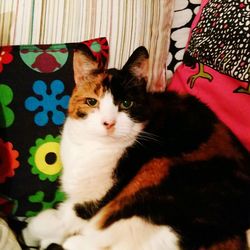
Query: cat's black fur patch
54	246
81	114
87	210
203	201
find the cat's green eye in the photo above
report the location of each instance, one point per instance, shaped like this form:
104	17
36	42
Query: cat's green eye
126	104
92	102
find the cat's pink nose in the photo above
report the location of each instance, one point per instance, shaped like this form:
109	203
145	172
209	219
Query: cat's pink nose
109	124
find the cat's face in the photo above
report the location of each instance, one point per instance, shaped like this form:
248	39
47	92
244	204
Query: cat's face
109	104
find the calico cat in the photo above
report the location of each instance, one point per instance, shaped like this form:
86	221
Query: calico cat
144	171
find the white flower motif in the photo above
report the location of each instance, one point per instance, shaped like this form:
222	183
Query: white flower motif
196	10
179	55
180	4
180	37
169	59
182	17
195	1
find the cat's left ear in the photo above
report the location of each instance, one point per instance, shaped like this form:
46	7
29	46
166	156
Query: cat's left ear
85	65
138	63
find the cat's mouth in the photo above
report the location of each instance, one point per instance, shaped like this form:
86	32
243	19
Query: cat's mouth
110	130
118	134
125	135
114	134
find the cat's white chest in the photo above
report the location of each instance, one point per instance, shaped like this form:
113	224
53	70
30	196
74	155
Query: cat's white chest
88	168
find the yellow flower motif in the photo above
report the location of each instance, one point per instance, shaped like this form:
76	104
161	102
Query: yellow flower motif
45	159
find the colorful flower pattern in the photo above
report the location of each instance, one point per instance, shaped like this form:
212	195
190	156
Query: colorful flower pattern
38	198
36	82
99	48
8	160
7	115
5	56
45	159
44	58
48	102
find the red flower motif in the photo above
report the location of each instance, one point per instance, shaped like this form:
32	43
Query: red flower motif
46	63
8	160
5	56
99	48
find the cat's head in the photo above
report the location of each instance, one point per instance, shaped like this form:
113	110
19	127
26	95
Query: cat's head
109	103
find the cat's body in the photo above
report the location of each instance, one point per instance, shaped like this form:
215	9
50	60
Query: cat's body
144	171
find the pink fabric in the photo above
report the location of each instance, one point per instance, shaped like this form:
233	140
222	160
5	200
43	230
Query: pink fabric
227	97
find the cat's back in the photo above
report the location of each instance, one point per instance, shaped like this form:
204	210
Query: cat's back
184	124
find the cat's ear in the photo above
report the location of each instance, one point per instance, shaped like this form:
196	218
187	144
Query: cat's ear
85	64
138	63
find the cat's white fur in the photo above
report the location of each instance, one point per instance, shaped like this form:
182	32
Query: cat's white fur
89	153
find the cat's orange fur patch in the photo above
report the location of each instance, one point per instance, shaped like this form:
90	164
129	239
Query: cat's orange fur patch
77	101
151	174
89	84
89	88
84	67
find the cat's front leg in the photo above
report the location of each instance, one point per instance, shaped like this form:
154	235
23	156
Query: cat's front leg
43	229
133	233
53	226
90	239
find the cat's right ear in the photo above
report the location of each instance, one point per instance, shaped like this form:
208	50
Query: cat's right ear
85	64
138	63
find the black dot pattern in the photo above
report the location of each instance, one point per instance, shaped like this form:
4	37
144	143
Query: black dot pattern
50	158
221	38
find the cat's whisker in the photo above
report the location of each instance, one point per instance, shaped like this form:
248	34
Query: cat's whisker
149	137
126	137
140	143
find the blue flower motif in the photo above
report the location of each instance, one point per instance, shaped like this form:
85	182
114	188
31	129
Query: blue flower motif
48	102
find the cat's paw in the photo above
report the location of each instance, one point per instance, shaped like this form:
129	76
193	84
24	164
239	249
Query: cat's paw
29	239
43	229
80	242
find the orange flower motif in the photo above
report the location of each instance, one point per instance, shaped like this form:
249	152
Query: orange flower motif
8	160
5	56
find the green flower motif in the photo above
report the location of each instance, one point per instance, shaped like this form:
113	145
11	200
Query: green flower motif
45	159
38	197
6	114
96	47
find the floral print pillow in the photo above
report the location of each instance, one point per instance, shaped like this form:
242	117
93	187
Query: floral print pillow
35	85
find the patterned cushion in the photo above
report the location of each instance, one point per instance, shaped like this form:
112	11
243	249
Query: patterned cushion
36	82
184	13
221	39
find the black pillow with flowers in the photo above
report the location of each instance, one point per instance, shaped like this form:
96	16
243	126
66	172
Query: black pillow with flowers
35	85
